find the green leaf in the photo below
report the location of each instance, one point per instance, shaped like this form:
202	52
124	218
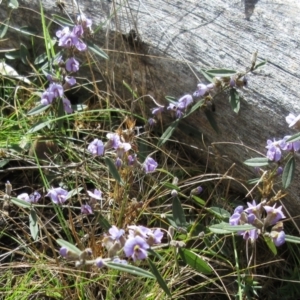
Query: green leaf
159	278
224	228
97	50
113	170
69	246
254	181
33	225
130	89
37	110
270	244
170	99
74	192
168	133
234	99
62	21
257	162
170	186
211	120
178	213
219	212
28	30
199	200
79	107
259	65
195	107
130	269
292	239
3	28
13	4
24	54
40	125
40	59
294	138
4	162
103	221
13	54
207	76
20	202
221	72
288	172
194	261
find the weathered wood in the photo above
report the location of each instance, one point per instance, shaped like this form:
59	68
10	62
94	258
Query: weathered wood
178	38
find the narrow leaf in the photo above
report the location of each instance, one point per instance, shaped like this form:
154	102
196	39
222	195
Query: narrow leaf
159	278
195	261
292	239
130	269
259	65
234	99
178	213
40	59
294	138
219	212
167	134
288	172
103	221
257	162
211	120
221	72
20	202
97	50
4	162
113	170
199	200
3	28
69	246
270	244
224	228
74	192
13	4
195	107
130	89
37	110
62	21
33	225
39	126
207	76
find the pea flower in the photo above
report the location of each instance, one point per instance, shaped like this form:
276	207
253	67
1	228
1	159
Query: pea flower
122	148
157	110
293	121
58	195
96	147
273	214
86	209
274	152
136	248
184	102
254	209
72	65
290	146
67	105
96	195
149	165
47	98
56	89
113	140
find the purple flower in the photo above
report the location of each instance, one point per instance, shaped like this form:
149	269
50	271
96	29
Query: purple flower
140	230
279	171
235	219
86	209
78	30
293	121
96	147
34	197
63	251
72	65
250	234
70	81
198	190
47	98
96	195
254	209
113	140
273	214
290	146
149	165
67	105
136	248
151	122
116	233
157	110
131	159
184	102
278	237
24	197
118	162
201	90
58	195
117	260
99	262
122	148
155	237
68	39
56	89
239	209
274	152
84	21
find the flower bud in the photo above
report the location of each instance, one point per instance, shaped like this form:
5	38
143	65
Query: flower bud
8	188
